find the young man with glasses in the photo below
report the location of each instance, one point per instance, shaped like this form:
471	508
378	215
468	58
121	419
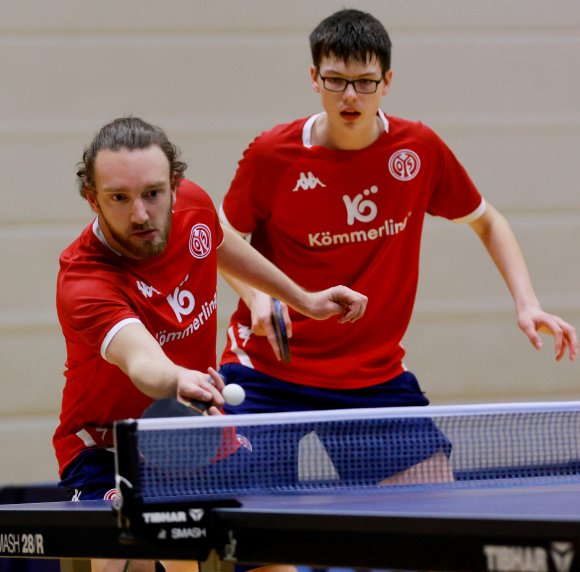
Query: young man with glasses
342	195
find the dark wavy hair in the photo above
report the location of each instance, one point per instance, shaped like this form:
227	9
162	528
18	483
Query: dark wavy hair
128	133
351	35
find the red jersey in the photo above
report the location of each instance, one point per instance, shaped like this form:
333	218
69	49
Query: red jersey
326	217
98	291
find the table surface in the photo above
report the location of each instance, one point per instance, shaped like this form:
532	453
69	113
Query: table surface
535	527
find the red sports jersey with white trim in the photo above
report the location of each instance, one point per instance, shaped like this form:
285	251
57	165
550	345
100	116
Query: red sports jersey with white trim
98	291
329	217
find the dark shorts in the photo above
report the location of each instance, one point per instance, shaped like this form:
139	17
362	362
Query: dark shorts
91	476
395	445
266	394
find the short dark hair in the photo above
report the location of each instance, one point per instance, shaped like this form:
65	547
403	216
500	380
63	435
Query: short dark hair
351	35
128	133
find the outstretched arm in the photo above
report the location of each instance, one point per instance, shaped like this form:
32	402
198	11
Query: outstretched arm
239	260
499	240
135	351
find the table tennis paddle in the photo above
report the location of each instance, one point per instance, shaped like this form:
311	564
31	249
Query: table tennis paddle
233	394
280	329
203	443
171	407
206	444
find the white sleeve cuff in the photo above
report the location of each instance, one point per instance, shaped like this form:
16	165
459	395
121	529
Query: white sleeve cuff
473	215
225	222
111	334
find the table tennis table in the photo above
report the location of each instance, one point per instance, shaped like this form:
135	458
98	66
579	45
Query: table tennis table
531	528
528	522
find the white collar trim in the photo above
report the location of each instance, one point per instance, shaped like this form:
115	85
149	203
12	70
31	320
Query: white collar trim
99	234
307	129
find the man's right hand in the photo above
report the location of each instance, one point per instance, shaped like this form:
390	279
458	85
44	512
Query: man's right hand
261	310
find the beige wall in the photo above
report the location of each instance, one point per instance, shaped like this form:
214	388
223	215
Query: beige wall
498	80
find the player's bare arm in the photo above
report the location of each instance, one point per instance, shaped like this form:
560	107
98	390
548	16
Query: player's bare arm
499	240
239	260
135	351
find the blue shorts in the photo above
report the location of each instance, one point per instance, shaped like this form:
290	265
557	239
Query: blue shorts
91	476
266	394
401	443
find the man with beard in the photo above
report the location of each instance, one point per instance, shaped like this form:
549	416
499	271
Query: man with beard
136	300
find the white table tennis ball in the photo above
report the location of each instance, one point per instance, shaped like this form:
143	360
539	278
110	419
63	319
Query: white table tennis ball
234	394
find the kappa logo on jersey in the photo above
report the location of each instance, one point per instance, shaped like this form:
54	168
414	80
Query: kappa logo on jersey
182	302
146	290
244	333
361	208
307	181
200	241
404	164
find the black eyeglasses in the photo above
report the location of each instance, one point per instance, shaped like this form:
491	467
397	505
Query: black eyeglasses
338	84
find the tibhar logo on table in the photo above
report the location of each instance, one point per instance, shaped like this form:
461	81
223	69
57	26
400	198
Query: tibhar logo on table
529	558
171	516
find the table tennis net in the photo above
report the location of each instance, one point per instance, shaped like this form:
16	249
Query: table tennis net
455	446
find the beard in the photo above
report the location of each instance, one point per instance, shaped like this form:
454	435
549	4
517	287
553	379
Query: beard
136	247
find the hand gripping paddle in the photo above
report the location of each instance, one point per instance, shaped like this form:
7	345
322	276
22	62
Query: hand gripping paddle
233	394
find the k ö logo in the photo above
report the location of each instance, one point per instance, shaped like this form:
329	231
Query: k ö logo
361	208
182	301
404	164
200	241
